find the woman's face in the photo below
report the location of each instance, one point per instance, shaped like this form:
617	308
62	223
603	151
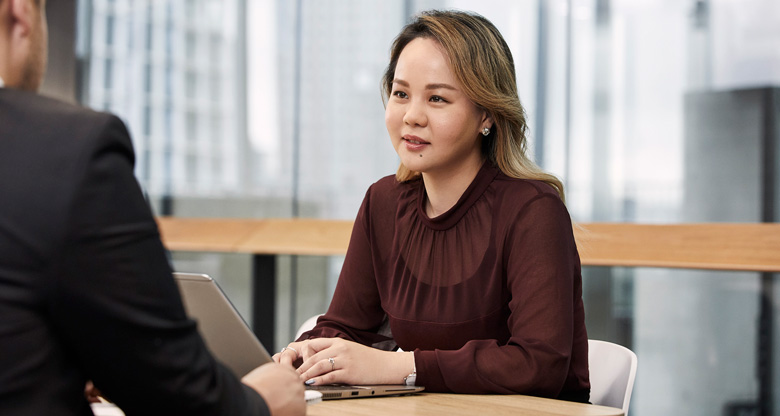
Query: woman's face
434	127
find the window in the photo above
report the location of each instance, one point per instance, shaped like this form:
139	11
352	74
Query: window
148	78
109	30
108	74
608	86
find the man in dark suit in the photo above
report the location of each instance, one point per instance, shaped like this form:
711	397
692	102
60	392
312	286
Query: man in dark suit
86	292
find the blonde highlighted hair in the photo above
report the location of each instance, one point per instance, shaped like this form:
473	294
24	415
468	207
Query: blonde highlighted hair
482	62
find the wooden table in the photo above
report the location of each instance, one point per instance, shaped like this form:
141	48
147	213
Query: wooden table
711	246
436	404
265	239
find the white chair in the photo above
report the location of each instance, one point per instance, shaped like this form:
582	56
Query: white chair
307	325
612	373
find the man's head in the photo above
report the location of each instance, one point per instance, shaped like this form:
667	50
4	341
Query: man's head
23	43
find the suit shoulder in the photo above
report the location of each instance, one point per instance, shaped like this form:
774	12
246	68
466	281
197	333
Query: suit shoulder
43	121
34	110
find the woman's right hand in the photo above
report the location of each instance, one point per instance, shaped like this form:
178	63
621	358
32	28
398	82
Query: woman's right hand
292	355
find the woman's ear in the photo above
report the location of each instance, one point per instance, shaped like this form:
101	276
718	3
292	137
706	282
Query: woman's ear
487	120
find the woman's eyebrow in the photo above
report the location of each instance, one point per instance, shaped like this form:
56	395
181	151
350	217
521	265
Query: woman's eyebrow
440	86
427	87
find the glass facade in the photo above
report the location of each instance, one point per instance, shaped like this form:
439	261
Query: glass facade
651	111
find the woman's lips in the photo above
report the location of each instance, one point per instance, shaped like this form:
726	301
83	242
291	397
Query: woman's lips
414	143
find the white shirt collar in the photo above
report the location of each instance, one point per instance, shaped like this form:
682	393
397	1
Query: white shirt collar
2	83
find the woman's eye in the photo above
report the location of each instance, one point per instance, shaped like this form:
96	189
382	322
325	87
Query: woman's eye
400	94
437	99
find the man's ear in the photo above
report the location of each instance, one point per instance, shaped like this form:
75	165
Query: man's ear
22	16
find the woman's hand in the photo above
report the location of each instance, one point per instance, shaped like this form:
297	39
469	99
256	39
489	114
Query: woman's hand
292	354
335	360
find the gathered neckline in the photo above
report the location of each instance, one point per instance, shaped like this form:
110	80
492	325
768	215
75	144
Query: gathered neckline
449	218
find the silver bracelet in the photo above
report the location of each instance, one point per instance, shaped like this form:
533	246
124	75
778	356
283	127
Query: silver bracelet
411	378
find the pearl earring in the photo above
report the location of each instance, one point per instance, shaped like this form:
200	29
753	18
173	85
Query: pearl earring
485	131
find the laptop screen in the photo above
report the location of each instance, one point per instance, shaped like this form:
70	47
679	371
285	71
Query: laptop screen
226	334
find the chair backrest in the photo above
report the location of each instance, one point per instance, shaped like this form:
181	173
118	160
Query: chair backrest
612	373
307	325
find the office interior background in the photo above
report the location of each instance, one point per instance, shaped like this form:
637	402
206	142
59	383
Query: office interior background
651	111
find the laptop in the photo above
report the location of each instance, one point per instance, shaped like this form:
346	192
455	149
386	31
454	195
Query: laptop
232	342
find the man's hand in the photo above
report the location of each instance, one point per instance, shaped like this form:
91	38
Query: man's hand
281	388
92	393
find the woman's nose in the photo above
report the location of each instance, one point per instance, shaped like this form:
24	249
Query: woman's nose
415	114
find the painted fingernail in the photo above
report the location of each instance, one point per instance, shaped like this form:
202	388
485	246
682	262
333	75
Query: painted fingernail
309	382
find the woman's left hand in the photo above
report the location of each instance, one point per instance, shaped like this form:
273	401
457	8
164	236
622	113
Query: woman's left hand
335	360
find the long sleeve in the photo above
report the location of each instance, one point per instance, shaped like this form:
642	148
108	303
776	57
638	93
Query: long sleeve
115	307
355	312
541	263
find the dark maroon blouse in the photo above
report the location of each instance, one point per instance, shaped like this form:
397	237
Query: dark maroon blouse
488	295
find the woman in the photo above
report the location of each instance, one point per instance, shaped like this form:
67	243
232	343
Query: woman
465	259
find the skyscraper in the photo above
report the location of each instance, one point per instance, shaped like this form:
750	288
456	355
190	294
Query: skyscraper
174	71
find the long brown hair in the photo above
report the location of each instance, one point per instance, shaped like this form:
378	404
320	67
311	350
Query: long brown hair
482	62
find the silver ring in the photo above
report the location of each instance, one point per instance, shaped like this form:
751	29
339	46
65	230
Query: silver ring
290	348
332	362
